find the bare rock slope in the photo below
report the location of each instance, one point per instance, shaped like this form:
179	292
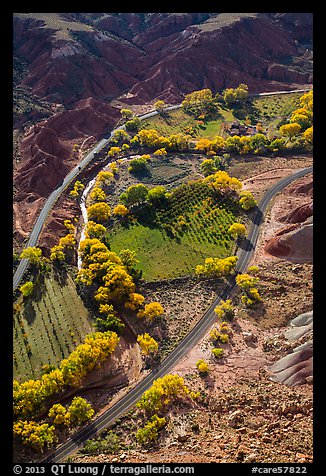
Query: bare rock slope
72	65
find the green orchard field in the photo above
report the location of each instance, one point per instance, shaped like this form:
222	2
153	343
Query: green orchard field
176	238
179	121
267	110
50	325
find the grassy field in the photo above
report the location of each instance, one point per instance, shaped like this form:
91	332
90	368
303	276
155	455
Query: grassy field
178	121
268	110
49	326
166	248
58	23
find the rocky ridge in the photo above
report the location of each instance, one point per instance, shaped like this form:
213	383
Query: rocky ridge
76	64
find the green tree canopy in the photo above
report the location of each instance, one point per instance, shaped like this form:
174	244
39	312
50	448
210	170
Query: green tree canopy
134	195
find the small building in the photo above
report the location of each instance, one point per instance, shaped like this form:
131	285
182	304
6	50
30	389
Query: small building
237	129
234	132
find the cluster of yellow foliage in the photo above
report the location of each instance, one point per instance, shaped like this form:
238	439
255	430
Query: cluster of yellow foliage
209	146
159	105
199	103
225	310
161	151
32	253
232	96
247	283
105	177
118	285
97	195
39	435
301	120
163	391
112	273
217	266
135	301
70	226
153	139
222	182
94	230
78	187
66	243
120	210
202	366
290	130
27	288
147	344
151	311
30	396
99	212
35	435
150	430
220	334
247	200
237	229
114	151
79	411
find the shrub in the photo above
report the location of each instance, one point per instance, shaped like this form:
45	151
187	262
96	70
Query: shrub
217	352
202	366
27	289
149	432
107	444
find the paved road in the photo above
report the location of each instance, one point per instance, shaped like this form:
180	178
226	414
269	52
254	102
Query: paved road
201	328
35	233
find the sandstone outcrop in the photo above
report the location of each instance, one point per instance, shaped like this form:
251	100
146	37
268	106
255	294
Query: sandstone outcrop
293	242
299	214
150	54
76	63
296	367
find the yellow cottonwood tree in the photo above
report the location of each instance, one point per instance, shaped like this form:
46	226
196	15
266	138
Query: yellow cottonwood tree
105	177
135	301
80	411
27	288
35	435
149	432
159	106
59	414
95	230
97	195
237	229
163	391
120	210
147	344
221	181
57	253
247	200
202	366
67	241
290	130
225	309
100	212
308	134
151	311
33	253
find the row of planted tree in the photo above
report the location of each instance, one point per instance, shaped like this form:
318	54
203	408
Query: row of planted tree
111	278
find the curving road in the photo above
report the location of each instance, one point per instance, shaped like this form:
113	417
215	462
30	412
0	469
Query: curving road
194	336
35	233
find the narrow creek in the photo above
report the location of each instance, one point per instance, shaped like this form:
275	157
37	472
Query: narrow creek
84	215
83	206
